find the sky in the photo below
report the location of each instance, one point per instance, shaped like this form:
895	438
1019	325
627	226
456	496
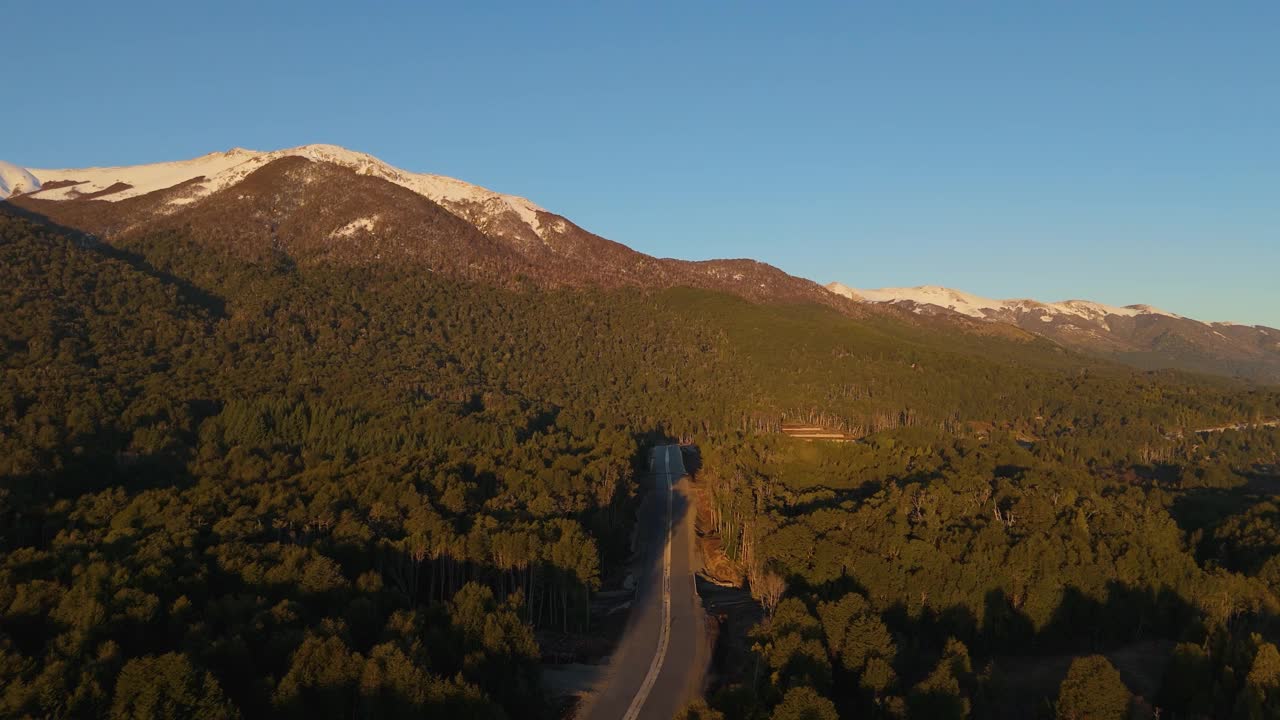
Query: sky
1123	152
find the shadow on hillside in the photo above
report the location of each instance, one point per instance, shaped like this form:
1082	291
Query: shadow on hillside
187	292
1135	627
1081	623
1204	508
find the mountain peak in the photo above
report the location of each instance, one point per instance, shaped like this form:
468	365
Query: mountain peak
207	174
326	203
15	179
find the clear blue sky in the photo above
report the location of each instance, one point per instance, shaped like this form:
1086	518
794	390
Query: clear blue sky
1117	151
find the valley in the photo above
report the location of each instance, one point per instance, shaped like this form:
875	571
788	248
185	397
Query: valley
663	361
307	433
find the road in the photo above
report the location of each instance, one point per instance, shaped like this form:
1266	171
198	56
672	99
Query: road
661	659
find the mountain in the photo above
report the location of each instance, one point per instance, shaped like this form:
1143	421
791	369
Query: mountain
323	203
918	298
329	205
1136	334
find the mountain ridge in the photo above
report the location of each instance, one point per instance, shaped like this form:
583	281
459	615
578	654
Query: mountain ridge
1137	334
524	240
325	203
977	306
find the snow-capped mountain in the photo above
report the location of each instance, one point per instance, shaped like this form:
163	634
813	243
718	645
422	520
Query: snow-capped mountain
207	174
324	203
919	298
1138	334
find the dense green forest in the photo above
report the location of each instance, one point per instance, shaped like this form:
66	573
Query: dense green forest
925	575
246	487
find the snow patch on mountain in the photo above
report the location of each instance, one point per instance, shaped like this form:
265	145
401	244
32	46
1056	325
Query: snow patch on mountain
141	179
15	179
365	224
217	171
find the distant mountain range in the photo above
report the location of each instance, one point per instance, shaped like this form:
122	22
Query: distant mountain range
323	203
1136	334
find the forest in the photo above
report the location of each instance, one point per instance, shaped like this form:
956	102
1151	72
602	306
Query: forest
925	575
246	487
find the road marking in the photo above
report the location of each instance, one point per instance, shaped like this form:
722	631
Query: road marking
664	636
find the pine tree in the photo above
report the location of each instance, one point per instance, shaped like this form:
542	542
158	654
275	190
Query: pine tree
1093	690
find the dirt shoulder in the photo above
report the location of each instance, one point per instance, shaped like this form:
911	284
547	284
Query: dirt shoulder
731	611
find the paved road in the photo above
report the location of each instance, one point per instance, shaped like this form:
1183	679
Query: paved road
661	660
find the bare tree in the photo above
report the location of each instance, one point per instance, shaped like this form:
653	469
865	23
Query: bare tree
770	588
